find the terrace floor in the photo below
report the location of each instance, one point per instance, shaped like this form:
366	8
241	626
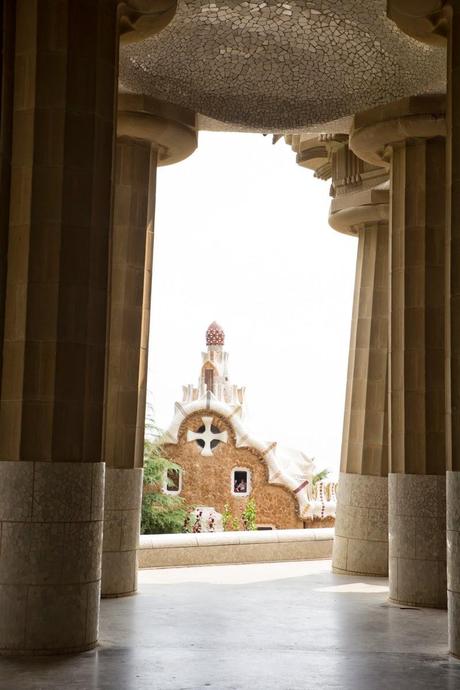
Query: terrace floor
283	626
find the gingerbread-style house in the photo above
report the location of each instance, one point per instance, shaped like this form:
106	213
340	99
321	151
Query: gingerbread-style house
222	464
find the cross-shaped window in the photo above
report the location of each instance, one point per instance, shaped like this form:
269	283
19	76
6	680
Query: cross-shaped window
207	436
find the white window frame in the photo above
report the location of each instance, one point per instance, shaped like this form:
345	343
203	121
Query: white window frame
248	485
166	490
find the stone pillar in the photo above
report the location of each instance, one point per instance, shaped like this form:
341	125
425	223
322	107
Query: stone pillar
360	208
439	22
149	132
52	386
410	134
417	482
453	331
361	529
7	38
55	309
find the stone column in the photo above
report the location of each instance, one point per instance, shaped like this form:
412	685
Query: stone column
410	134
360	208
361	529
54	333
439	22
453	330
417	483
7	38
149	133
52	386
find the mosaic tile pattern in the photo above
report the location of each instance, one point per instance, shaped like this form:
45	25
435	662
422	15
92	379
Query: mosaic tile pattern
215	334
281	66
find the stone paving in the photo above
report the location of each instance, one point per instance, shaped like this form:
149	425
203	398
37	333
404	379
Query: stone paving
283	626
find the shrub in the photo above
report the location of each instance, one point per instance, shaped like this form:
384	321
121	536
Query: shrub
161	513
248	517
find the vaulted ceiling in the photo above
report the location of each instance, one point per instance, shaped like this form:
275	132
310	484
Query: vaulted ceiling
280	66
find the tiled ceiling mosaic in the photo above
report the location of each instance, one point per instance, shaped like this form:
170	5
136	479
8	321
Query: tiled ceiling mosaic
281	66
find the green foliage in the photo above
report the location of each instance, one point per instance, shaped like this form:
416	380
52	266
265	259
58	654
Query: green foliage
161	513
248	516
319	476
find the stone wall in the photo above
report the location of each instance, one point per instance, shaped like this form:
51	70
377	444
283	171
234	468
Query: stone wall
175	550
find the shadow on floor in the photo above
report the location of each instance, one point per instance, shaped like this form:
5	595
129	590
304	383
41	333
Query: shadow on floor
283	626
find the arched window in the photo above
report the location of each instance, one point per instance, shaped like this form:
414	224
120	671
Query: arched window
241	481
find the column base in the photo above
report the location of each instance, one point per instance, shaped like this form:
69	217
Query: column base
361	526
453	561
50	556
417	538
123	498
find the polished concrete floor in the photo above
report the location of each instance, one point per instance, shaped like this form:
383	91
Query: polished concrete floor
283	626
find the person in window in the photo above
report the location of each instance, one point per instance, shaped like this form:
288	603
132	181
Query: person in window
240	486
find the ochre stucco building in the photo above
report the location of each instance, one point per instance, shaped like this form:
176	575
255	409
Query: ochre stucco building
222	463
210	480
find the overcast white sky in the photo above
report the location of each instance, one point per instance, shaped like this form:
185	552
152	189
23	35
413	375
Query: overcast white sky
241	237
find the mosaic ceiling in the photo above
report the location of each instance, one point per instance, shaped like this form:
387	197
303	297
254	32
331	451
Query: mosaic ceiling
280	66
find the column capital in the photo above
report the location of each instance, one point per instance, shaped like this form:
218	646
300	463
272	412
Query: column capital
359	190
140	19
348	214
314	151
424	20
170	128
416	117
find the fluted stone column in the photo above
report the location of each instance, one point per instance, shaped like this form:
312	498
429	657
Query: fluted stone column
417	483
360	208
361	529
55	309
410	135
439	22
149	133
52	385
7	39
453	330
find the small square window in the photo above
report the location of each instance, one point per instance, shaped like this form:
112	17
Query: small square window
241	482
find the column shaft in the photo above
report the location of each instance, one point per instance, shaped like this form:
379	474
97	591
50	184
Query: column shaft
417	383
453	332
52	384
361	542
132	252
365	443
150	133
7	37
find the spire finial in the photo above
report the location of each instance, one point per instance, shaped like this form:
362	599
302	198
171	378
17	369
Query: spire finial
215	334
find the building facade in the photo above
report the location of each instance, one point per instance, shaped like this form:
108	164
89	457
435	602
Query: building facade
222	464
